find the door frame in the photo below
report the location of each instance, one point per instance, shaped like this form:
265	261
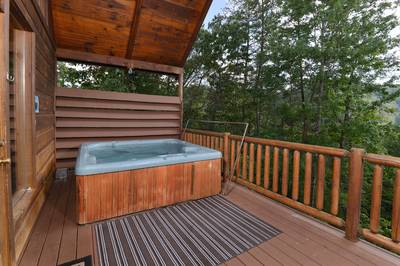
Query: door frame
7	242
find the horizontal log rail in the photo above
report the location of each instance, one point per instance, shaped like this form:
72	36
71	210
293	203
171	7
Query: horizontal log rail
296	146
309	179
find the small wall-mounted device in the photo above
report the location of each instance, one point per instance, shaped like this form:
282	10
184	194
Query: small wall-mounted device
36	104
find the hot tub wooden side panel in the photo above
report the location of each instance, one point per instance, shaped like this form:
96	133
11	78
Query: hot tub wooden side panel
104	196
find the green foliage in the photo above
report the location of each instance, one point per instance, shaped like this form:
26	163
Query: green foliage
318	72
114	79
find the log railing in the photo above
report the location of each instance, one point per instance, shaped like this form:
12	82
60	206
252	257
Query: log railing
274	168
381	164
311	179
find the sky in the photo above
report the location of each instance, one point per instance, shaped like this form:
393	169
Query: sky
216	7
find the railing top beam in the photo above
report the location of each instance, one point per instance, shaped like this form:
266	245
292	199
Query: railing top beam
384	160
296	146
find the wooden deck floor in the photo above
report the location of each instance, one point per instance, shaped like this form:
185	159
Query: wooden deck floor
57	238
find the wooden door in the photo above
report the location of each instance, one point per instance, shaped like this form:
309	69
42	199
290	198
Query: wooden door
6	221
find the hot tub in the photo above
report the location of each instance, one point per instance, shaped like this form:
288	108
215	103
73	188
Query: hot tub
121	177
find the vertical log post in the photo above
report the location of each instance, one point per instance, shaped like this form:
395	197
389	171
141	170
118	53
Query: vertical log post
376	196
356	175
396	209
226	155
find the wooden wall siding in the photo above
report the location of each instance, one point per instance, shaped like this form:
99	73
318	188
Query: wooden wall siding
132	191
158	31
90	116
26	209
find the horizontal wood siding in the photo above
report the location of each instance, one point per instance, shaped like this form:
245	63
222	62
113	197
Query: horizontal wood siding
26	208
84	115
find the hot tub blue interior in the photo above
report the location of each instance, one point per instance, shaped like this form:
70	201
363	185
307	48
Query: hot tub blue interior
115	156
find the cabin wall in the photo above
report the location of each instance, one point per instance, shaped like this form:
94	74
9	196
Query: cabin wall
35	16
90	116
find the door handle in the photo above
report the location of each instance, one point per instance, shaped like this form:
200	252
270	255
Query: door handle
5	161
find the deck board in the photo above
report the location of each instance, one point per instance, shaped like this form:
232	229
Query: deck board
51	246
68	244
57	238
34	247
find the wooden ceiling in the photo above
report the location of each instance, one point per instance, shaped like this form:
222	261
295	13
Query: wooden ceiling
155	31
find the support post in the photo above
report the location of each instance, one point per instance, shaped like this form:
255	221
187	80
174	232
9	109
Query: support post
356	174
24	109
180	94
226	155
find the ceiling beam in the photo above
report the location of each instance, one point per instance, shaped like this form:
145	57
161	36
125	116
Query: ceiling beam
86	57
134	27
196	31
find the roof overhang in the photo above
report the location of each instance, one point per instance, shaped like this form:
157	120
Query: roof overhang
155	35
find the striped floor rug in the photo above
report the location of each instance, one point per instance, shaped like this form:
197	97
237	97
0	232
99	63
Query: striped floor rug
209	231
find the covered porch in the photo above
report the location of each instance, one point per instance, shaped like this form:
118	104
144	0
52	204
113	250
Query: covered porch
293	187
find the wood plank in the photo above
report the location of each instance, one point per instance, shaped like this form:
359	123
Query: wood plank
116	96
35	245
274	252
204	11
51	246
69	133
84	241
116	61
247	259
103	123
263	256
293	253
115	114
68	243
113	104
134	28
234	262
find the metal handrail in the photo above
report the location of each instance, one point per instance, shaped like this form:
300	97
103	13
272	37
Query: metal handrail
225	190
